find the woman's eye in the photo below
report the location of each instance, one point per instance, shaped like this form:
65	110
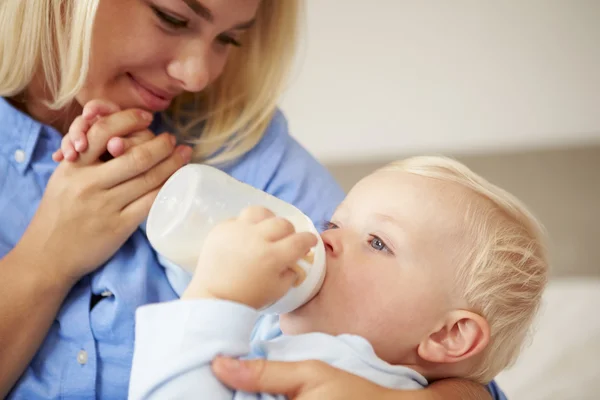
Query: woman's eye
170	20
228	40
378	244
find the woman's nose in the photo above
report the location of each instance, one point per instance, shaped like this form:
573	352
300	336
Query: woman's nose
191	70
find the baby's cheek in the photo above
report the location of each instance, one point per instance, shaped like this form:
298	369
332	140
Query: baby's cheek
358	299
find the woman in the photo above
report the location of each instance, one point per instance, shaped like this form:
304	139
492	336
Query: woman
74	264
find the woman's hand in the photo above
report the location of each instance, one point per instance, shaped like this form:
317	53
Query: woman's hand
90	207
305	380
315	380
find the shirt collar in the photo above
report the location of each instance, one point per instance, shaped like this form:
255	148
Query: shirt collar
19	134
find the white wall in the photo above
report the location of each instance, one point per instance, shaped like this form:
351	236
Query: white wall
383	77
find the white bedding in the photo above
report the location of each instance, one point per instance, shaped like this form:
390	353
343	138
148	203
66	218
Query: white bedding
563	360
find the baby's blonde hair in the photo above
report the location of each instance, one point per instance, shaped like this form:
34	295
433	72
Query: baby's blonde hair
231	115
504	269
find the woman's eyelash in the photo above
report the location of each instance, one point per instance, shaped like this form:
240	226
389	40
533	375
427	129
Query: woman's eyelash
176	23
228	40
170	20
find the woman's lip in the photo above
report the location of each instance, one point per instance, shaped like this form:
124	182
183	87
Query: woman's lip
152	100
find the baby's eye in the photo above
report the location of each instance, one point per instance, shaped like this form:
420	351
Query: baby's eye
328	225
378	244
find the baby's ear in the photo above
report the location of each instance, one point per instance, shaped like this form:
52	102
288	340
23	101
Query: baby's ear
461	335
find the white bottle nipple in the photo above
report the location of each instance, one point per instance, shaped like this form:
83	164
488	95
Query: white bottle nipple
196	198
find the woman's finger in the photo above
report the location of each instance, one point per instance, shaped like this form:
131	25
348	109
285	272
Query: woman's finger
136	161
153	178
302	380
138	209
261	376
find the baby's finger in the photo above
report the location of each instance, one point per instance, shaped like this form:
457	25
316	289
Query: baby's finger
299	271
68	151
255	214
309	258
92	111
277	228
77	135
299	275
122	123
99	108
117	146
294	247
58	155
291	277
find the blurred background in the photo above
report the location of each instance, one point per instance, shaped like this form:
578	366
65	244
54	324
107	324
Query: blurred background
511	88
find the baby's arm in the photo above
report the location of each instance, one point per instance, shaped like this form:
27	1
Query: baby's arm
244	265
176	342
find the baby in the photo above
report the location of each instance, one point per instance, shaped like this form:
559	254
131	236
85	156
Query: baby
432	272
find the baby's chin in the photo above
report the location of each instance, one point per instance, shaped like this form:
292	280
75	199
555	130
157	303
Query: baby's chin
293	325
302	320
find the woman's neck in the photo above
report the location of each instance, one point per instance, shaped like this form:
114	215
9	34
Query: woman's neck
33	102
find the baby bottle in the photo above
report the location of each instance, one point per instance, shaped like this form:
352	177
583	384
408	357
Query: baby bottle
197	197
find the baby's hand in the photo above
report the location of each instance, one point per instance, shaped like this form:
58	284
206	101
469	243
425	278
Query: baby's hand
249	259
75	141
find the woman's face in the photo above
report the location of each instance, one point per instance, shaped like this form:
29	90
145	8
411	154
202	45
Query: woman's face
146	52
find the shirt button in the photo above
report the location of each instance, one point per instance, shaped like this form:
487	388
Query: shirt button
19	156
106	293
82	357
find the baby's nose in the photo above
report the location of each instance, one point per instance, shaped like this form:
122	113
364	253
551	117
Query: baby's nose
333	243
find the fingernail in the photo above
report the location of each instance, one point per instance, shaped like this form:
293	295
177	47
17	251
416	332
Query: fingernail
173	140
145	115
87	113
185	152
78	144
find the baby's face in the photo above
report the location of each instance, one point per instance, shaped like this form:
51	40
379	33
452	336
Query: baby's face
391	249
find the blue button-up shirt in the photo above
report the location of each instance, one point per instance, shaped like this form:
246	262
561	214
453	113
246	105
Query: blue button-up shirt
87	352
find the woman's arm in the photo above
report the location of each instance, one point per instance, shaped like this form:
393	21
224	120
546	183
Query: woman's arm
312	380
453	389
87	211
29	301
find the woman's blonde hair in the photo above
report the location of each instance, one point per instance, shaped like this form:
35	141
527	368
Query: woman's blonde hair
231	115
503	268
